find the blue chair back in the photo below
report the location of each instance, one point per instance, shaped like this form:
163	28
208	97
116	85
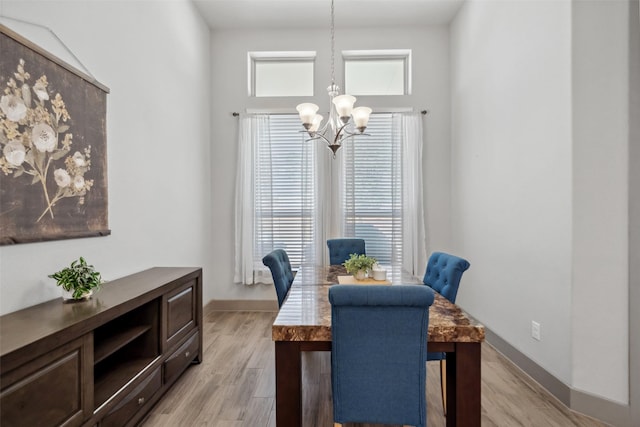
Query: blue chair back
341	249
443	274
278	263
379	353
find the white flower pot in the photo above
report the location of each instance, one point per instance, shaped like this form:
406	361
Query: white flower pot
379	274
361	275
67	296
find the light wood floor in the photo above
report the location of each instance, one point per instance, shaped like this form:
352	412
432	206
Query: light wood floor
235	385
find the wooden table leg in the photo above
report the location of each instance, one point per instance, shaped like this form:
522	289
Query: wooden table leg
463	386
288	384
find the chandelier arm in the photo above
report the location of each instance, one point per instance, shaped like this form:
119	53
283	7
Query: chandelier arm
353	135
318	136
339	133
324	127
346	131
349	136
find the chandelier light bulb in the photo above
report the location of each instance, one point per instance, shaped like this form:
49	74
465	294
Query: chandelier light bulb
315	124
361	117
344	105
307	113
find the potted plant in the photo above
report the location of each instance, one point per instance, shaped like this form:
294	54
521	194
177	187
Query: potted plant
359	265
78	280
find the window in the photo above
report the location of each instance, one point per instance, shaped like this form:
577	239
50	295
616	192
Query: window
290	193
281	73
372	195
377	72
285	191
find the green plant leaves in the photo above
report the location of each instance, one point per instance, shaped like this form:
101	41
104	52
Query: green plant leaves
80	278
357	262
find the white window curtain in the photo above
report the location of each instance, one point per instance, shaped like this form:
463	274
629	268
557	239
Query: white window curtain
414	253
380	190
251	129
278	195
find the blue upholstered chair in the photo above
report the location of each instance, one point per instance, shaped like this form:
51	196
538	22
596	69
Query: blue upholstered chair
341	249
443	275
379	353
278	263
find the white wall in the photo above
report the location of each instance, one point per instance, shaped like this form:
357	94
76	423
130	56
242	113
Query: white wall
538	200
154	57
511	179
229	49
599	310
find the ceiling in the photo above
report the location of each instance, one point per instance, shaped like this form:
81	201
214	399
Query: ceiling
270	14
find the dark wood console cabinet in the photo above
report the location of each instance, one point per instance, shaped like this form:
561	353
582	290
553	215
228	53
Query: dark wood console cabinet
102	362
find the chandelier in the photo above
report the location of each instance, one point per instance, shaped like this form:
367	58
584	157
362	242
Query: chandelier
338	127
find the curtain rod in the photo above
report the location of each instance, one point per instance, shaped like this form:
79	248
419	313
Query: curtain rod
423	112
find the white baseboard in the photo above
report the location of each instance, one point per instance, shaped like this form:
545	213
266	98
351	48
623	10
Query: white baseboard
604	410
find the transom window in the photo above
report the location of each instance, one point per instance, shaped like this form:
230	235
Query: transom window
377	72
274	74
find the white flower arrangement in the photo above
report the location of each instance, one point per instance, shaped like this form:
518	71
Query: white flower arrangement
34	136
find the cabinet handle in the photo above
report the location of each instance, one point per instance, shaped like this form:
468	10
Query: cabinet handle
141	401
187	353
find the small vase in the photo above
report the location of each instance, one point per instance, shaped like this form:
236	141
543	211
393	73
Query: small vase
67	296
360	275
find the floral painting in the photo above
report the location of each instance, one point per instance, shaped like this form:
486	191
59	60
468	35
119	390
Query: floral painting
52	147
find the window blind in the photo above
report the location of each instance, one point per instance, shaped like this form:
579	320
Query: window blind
372	202
285	191
286	207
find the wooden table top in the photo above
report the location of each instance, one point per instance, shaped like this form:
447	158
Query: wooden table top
306	313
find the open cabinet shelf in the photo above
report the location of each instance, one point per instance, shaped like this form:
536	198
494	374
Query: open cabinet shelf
117	341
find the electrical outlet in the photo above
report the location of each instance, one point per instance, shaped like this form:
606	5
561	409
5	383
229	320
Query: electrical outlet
535	330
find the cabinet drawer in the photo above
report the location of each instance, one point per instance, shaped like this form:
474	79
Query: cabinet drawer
133	402
48	391
181	358
180	309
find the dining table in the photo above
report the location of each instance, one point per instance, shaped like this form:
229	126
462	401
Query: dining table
304	324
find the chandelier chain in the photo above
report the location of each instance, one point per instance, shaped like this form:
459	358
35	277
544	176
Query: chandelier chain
333	76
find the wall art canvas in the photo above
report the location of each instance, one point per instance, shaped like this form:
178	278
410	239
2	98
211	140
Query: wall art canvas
53	152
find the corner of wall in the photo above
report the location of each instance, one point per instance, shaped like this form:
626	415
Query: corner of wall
634	209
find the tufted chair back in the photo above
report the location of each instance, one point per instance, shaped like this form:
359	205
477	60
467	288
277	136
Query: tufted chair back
444	272
278	263
341	249
378	375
